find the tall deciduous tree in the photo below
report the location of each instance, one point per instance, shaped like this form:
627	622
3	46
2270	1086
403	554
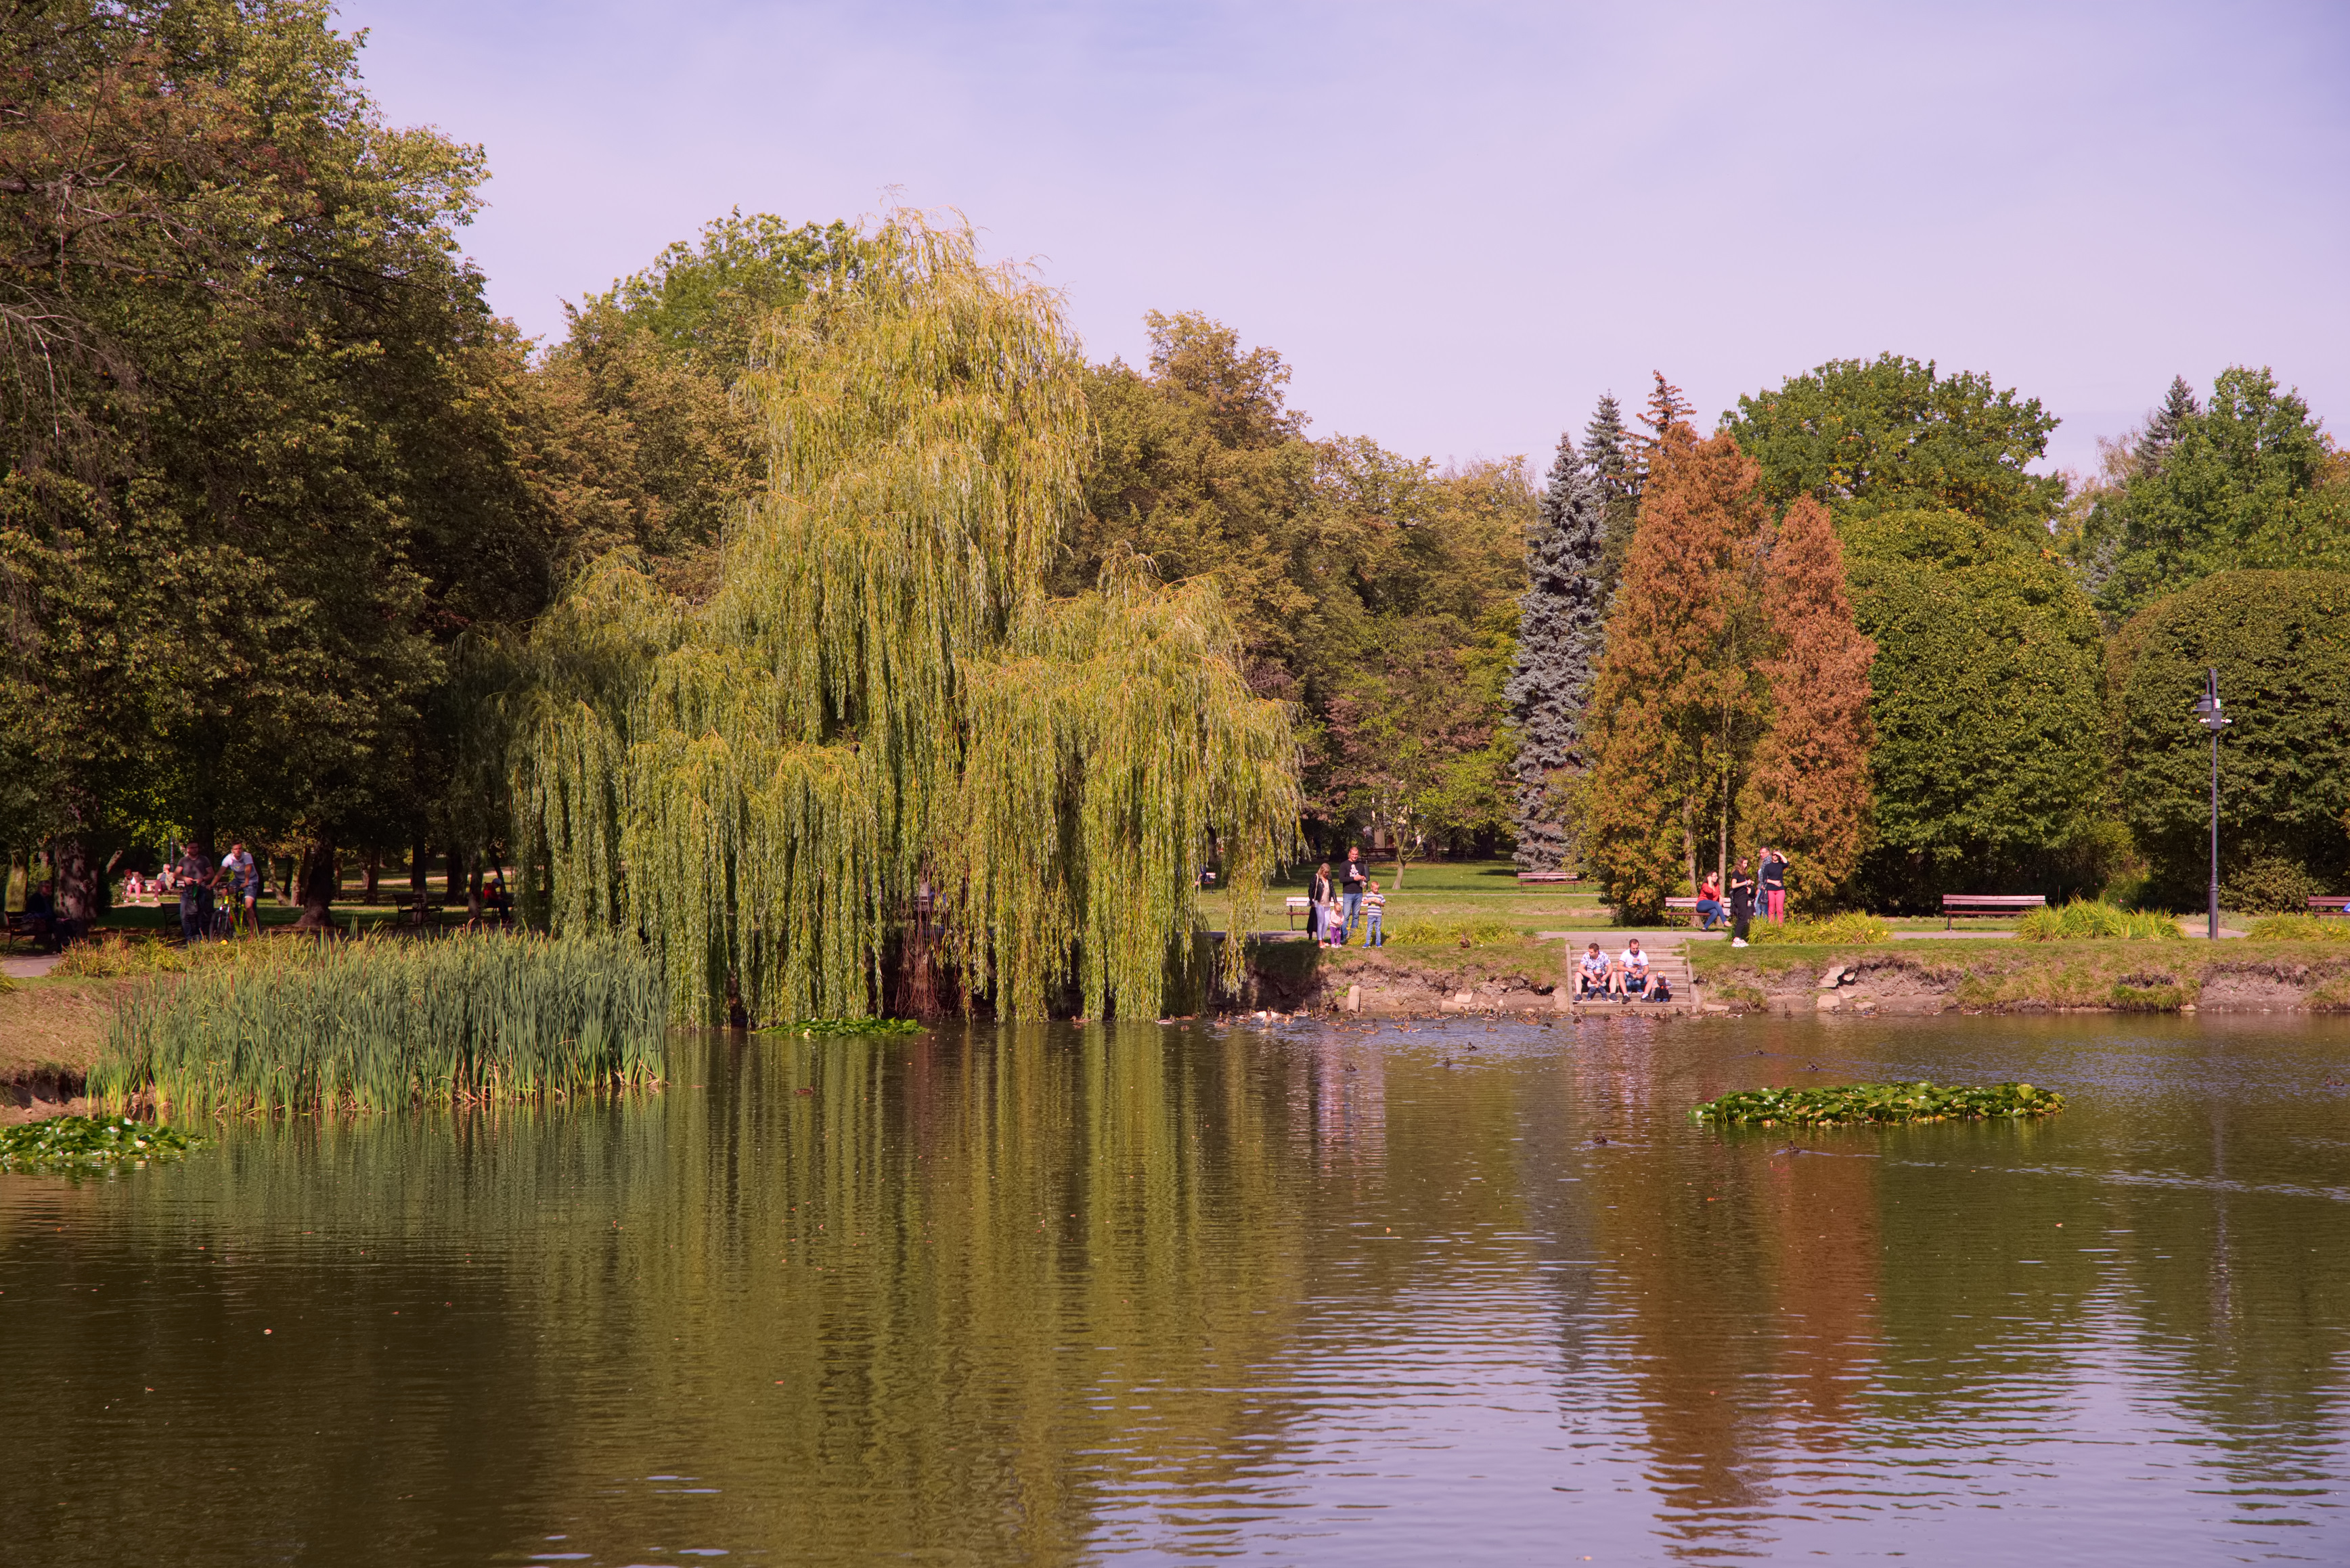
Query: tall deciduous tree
882	697
1989	768
1893	434
1677	704
257	474
1808	793
2281	641
1560	638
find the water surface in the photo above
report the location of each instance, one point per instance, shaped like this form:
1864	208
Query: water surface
1362	1295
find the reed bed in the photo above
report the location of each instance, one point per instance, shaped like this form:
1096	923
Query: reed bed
381	1023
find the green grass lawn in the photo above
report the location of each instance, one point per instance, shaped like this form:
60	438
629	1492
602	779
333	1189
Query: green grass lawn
1448	890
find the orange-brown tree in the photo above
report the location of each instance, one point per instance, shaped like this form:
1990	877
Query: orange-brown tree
1678	702
1807	789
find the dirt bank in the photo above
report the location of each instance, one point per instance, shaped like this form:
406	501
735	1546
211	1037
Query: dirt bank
1399	982
2032	977
51	1032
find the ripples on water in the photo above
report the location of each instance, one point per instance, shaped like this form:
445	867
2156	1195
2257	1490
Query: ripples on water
1363	1296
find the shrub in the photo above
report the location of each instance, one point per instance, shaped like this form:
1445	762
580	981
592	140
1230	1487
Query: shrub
1848	929
2093	920
386	1023
2301	929
2269	886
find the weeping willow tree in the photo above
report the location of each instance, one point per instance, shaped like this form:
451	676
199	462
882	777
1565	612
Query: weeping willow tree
881	701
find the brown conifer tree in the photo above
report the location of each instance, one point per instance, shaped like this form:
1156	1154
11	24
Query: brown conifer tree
1807	790
1676	705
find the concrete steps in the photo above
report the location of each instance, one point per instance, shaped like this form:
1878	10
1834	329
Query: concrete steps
1667	961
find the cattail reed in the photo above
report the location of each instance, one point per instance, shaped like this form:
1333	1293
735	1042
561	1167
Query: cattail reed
378	1024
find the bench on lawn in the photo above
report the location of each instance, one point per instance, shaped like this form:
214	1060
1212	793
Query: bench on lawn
1688	903
1527	879
1988	904
2329	904
1298	907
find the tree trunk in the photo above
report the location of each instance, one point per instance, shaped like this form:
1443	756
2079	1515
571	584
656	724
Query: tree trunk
419	882
374	872
318	882
77	874
456	876
473	891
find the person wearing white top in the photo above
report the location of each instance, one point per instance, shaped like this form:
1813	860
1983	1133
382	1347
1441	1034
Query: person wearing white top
1595	975
1632	972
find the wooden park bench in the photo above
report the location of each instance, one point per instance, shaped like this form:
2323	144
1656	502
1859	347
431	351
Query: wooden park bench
1988	904
2329	904
1297	908
1529	878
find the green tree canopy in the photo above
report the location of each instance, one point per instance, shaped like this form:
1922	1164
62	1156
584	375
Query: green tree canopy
1987	769
1893	434
2245	482
2281	641
882	699
259	460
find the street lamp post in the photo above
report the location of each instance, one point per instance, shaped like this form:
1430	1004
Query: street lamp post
2207	710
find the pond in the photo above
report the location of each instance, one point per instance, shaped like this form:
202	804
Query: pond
1369	1295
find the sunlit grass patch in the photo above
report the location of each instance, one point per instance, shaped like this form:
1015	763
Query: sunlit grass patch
1848	929
2301	929
1856	1105
2095	920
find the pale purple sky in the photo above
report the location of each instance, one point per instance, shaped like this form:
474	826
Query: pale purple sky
1461	223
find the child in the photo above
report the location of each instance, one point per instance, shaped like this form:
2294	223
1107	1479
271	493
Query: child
1334	930
1375	904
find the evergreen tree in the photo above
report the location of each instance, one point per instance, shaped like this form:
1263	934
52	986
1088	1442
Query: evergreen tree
1676	706
2167	423
1559	634
1808	791
2244	483
1608	457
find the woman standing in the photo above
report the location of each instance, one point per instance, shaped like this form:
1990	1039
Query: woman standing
1742	903
1316	897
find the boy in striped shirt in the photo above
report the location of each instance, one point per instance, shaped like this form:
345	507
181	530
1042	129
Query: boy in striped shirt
1375	904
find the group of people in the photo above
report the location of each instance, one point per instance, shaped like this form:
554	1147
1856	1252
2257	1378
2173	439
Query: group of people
203	889
1762	890
1624	977
1335	910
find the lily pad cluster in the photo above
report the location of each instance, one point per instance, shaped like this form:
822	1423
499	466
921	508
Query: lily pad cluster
810	1028
87	1143
1854	1105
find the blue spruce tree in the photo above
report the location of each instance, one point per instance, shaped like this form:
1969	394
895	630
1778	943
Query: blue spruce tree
1559	641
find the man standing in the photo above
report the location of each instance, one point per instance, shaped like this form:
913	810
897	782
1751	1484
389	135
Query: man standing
195	895
1352	882
1773	871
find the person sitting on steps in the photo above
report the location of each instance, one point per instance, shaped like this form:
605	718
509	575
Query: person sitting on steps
1592	974
1632	972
